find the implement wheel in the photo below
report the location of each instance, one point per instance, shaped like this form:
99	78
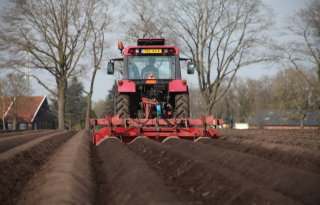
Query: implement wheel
123	105
182	109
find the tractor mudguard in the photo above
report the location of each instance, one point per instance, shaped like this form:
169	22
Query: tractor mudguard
178	86
126	86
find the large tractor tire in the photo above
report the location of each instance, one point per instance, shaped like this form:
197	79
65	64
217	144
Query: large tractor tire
123	105
182	109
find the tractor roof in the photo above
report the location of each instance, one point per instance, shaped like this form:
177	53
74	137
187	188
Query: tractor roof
151	42
149	46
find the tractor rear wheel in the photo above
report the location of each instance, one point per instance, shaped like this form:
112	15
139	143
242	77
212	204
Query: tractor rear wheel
123	105
182	109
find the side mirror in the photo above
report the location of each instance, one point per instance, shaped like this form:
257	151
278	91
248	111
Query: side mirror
110	69
190	68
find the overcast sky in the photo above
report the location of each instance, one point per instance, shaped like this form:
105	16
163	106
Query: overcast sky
282	10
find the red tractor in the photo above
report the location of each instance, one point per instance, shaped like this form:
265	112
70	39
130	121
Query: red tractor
152	99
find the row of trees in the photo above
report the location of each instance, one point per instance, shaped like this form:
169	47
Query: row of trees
107	106
67	39
287	90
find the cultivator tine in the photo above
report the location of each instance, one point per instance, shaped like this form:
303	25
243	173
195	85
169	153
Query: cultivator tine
169	138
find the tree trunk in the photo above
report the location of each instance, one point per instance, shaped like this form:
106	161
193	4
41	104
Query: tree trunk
208	110
61	105
15	113
3	124
3	111
88	110
89	98
211	109
302	120
319	71
207	104
301	123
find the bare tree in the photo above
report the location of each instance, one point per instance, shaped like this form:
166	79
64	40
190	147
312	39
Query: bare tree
99	107
311	34
244	98
294	95
228	107
16	85
3	103
147	20
251	96
98	23
222	37
54	35
303	52
111	99
197	107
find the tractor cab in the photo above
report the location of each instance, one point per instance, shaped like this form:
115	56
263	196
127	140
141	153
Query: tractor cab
150	59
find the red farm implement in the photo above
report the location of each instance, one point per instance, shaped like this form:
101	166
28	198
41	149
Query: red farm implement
127	129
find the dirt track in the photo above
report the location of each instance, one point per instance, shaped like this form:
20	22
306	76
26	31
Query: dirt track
242	167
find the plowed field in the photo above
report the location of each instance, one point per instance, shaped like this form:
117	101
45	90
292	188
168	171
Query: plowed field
242	167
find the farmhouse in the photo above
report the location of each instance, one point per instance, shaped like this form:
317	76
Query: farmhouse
275	119
25	113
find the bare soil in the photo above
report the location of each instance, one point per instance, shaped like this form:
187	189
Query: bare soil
7	143
4	134
201	181
66	178
20	163
125	178
242	167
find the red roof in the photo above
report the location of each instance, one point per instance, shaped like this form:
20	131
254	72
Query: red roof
26	107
